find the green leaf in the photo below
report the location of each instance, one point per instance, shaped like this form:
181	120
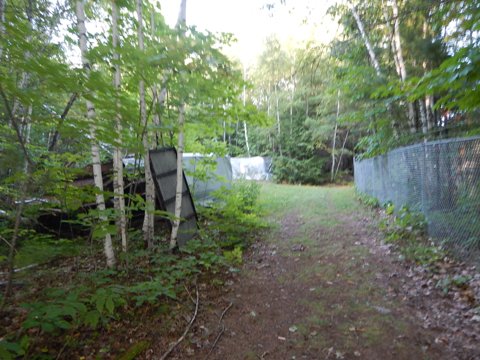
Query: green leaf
110	305
92	318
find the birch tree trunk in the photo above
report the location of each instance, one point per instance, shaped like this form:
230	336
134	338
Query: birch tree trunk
158	97
332	172
179	186
277	116
245	129
423	116
341	153
119	196
148	221
373	58
182	18
366	41
401	64
97	169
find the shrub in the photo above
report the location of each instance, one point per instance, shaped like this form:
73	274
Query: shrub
234	218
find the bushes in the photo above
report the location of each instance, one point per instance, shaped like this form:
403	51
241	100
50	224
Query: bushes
144	281
234	218
407	230
297	171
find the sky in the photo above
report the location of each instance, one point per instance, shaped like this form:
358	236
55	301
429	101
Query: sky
294	22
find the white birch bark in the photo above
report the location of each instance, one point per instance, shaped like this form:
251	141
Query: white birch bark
373	57
97	169
277	116
430	112
332	172
390	33
423	116
179	186
182	16
119	196
158	97
148	221
245	129
341	153
366	41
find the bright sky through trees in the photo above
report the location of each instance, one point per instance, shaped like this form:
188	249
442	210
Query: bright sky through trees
252	22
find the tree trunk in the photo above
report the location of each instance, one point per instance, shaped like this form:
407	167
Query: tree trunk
148	221
332	172
277	116
119	196
13	245
179	186
423	116
245	130
373	59
53	143
401	64
430	112
19	208
292	98
182	16
97	168
341	152
368	45
158	98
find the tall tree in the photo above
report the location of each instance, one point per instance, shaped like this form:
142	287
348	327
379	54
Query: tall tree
117	155
91	115
148	222
398	54
181	23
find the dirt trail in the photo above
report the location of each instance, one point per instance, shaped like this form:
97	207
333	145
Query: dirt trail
320	286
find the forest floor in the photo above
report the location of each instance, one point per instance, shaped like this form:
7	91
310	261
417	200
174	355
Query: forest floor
322	285
319	283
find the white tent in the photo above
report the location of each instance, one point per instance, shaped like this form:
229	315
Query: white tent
251	168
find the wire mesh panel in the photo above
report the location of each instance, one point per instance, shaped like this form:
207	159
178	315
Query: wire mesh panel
164	168
440	178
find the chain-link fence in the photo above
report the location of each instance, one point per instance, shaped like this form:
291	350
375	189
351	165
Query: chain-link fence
440	178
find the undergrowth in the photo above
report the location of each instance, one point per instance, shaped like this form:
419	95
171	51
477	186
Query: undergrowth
235	218
406	230
91	300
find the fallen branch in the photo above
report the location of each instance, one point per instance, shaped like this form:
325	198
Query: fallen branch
225	311
187	329
21	269
222	330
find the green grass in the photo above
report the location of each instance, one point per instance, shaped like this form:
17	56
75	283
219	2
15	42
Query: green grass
322	204
324	220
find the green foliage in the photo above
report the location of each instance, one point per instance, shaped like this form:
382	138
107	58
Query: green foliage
450	282
389	208
406	230
235	256
98	298
369	201
233	219
10	350
57	314
300	171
